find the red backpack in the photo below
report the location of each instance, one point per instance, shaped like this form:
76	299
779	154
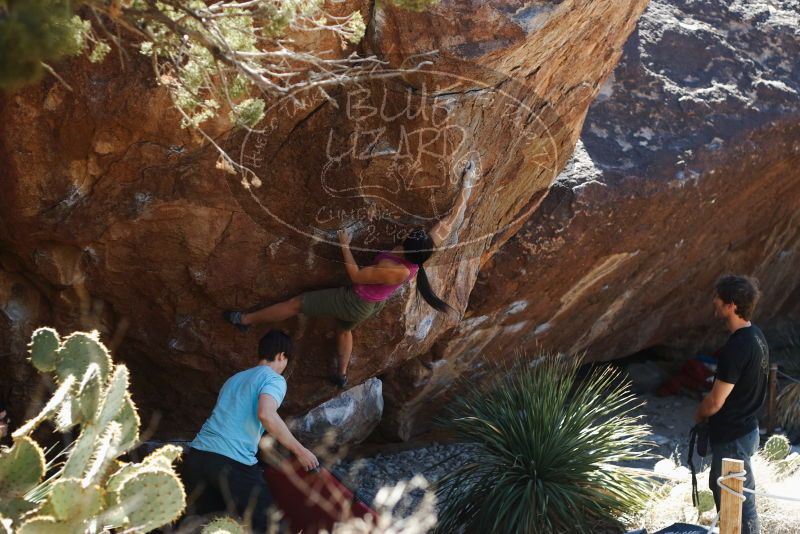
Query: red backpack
312	501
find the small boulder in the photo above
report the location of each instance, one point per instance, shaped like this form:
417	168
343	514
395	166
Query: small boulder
348	418
646	376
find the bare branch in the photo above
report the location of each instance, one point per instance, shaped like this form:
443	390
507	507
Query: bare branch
57	77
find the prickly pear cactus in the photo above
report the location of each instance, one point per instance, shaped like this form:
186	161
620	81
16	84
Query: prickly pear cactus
149	498
45	525
706	501
147	495
70	500
92	491
163	456
788	466
223	525
77	352
44	345
21	469
53	406
777	448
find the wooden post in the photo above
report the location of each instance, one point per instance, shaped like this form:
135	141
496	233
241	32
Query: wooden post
773	384
730	506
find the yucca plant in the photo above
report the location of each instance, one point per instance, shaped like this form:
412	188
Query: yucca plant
548	448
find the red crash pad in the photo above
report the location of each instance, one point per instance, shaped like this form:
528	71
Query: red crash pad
693	376
312	501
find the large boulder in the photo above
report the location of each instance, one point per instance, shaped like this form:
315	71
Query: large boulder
688	168
346	419
114	218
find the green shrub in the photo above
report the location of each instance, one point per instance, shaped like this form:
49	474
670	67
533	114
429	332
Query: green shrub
546	447
32	32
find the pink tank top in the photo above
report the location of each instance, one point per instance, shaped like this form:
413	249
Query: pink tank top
381	292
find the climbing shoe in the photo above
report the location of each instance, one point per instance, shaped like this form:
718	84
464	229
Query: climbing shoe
340	381
235	318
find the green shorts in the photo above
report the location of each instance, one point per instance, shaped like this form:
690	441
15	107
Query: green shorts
341	303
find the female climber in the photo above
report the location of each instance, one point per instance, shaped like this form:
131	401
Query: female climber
371	286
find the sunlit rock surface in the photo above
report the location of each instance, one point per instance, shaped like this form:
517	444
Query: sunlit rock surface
688	168
114	218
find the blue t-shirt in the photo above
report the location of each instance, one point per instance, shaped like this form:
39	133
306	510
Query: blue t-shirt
234	429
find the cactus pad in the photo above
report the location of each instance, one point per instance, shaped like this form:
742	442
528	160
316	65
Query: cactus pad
45	525
130	423
21	468
15	508
116	480
777	448
71	501
223	525
81	453
113	398
105	452
788	466
706	501
66	416
163	456
88	393
77	352
44	344
82	404
151	498
61	395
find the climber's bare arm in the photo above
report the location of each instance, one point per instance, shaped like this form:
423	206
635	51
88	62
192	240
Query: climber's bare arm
384	273
444	227
272	423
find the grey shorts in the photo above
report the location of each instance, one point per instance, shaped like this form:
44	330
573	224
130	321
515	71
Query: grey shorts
341	303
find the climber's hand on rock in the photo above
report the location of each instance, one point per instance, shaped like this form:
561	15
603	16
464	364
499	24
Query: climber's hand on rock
470	174
344	238
307	459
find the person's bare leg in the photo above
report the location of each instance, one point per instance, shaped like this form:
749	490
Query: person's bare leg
344	345
275	313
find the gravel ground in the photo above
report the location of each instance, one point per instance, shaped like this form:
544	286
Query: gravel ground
368	475
670	419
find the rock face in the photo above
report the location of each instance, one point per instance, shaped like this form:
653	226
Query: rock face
112	217
688	167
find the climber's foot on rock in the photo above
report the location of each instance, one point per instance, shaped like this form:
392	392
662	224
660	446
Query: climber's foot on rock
235	318
340	381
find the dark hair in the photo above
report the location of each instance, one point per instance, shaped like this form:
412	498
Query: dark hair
417	248
273	343
740	290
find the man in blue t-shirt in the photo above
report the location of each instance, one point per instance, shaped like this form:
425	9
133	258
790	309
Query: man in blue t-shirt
220	468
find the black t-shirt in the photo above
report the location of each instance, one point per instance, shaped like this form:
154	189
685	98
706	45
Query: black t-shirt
743	362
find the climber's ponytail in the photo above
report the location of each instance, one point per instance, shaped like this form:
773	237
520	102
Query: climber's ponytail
417	248
424	288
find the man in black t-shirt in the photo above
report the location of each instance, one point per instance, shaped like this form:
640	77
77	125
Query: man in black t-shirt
740	387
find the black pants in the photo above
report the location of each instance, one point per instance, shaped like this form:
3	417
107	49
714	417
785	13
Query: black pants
217	485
